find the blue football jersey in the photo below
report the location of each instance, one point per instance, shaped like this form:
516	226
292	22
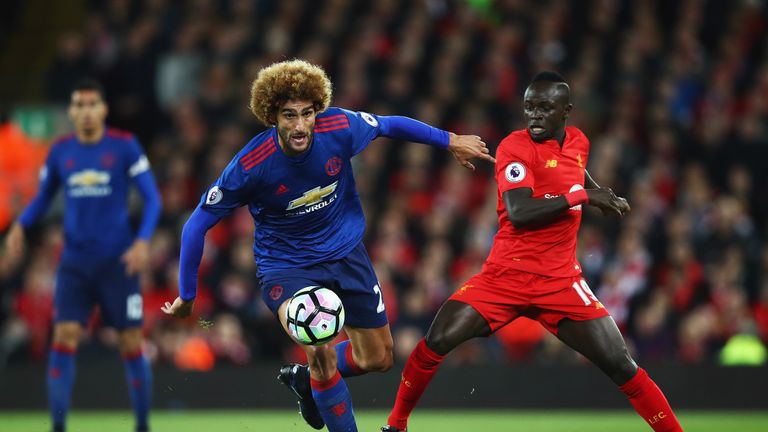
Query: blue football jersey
306	208
95	179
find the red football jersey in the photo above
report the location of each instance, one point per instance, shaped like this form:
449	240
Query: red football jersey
549	171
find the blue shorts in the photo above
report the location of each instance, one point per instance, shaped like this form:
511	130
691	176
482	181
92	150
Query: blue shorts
352	278
82	282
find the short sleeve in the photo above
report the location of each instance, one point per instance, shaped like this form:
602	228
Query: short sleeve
513	165
231	190
364	128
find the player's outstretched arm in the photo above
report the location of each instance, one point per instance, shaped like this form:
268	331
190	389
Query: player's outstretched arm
466	147
192	242
179	308
463	147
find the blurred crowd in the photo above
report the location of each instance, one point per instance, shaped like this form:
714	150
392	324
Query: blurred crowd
673	95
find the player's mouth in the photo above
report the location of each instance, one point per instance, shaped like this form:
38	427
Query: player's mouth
299	140
536	130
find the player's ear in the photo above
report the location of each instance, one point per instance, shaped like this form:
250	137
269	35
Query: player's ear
567	111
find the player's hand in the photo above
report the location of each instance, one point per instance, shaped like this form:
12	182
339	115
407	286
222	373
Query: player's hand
466	147
14	243
608	202
136	258
179	308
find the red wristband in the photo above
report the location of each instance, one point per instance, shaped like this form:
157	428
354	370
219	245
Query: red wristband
576	197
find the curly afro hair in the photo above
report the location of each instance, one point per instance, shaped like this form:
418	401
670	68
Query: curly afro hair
288	80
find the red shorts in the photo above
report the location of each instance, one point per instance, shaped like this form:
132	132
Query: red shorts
501	294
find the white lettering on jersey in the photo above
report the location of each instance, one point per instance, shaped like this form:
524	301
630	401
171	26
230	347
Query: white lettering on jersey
515	172
573	188
134	308
313	199
371	120
213	196
139	166
89	183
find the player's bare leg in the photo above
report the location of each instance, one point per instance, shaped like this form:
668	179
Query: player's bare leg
130	340
368	350
455	323
67	334
600	341
61	370
138	374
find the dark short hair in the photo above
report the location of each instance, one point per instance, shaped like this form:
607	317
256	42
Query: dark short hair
89	84
548	76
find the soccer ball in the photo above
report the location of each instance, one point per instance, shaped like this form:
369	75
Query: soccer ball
315	315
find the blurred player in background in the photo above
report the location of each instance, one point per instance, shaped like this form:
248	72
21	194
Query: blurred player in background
532	269
102	255
296	179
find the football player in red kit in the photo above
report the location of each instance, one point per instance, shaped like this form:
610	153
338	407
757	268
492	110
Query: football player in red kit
532	269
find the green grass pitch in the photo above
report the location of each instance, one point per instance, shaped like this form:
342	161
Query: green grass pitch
370	421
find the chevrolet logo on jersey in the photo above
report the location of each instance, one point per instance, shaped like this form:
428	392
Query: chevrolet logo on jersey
89	183
88	178
313	199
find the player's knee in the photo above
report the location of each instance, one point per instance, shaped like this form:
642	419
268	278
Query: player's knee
322	364
379	362
131	341
621	367
67	334
440	342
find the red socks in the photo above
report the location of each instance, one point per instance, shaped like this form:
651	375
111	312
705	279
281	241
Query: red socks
418	372
650	403
642	392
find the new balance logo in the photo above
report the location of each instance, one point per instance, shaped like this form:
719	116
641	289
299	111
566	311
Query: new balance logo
281	190
551	163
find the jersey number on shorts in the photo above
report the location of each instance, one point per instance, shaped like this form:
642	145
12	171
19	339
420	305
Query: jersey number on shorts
380	307
582	289
134	307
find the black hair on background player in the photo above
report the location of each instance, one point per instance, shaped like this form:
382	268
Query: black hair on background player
89	84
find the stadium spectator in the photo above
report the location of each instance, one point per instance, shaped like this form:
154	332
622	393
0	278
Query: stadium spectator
692	128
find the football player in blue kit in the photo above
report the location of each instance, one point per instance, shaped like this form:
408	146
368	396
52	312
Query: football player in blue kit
296	179
102	256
